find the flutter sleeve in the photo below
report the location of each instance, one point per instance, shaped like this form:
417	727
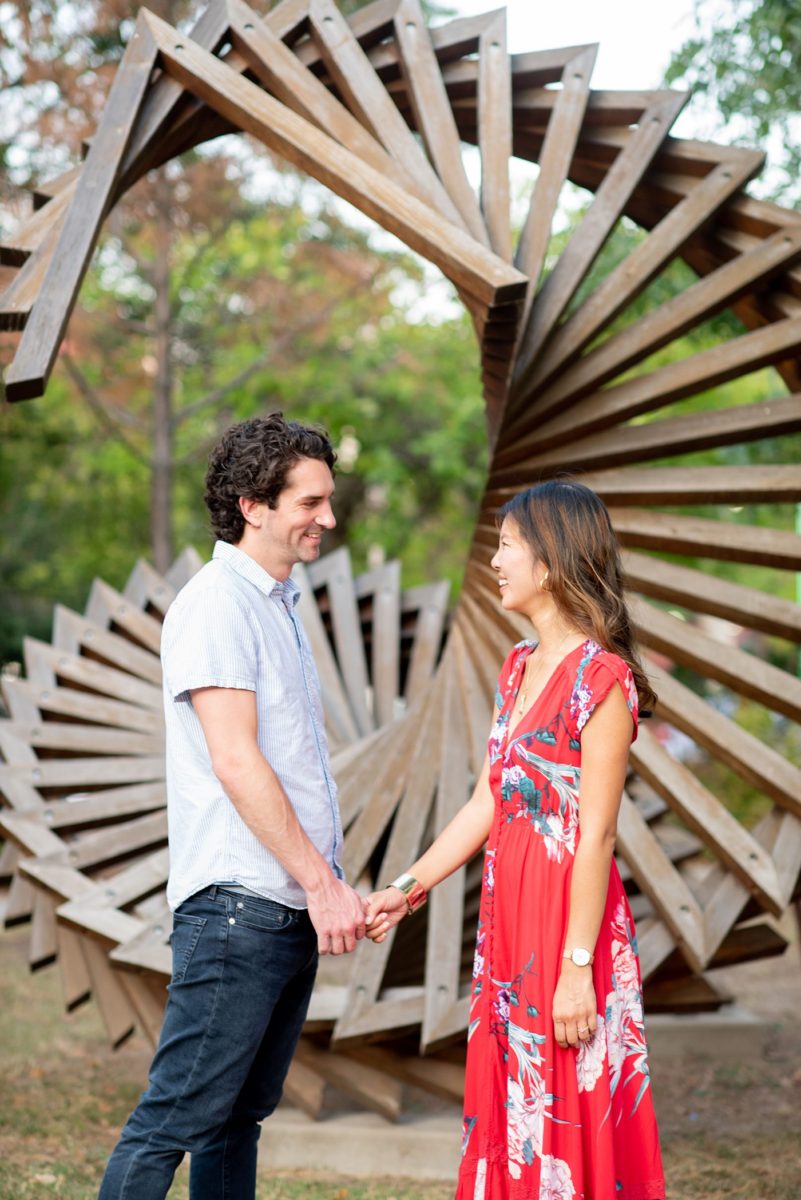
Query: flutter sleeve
595	679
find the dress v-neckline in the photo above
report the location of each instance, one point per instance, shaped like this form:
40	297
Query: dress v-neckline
512	734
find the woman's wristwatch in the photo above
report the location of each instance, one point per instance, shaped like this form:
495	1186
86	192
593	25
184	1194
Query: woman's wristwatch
414	893
579	956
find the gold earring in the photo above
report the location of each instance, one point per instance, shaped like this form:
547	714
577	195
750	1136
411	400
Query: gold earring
543	581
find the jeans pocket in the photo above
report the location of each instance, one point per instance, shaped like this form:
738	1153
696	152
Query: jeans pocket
265	915
186	931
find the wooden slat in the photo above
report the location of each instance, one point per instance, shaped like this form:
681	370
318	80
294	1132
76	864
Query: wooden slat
106	607
466	263
705	815
446	907
658	879
430	600
494	95
36	353
671	320
432	113
384	588
338	713
557	153
89	739
698	485
72	773
372	1087
334	572
626	281
404	843
707	539
724	739
743	672
22	693
116	1010
656	439
366	97
19	296
76	983
47	663
674	381
699	592
43	946
380	782
597	223
280	71
305	1089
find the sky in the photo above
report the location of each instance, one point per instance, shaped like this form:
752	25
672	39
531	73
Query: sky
636	38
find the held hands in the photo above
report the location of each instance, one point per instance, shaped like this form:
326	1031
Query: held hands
338	914
574	1006
385	909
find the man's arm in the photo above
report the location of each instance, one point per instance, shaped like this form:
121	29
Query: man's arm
229	722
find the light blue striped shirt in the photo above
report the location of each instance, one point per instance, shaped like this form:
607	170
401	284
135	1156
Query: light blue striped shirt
234	626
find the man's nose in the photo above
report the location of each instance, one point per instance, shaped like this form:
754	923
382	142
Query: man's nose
326	517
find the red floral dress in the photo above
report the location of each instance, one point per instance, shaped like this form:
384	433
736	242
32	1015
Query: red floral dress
541	1122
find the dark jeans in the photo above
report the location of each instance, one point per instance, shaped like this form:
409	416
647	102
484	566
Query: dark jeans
243	972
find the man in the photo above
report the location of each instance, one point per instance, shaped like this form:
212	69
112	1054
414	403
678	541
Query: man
256	885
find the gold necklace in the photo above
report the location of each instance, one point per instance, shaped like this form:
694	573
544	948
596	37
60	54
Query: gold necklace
525	684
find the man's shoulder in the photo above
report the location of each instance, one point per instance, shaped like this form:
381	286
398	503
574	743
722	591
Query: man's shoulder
214	589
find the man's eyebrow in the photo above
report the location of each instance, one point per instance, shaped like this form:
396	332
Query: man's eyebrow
307	499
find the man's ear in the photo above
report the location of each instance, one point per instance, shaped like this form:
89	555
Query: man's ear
251	511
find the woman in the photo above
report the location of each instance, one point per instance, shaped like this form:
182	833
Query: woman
557	1097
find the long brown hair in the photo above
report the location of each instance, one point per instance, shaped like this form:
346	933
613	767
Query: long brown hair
567	527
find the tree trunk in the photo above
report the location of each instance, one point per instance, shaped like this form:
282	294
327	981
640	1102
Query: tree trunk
161	540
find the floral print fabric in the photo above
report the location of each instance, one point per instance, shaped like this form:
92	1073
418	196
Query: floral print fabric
541	1122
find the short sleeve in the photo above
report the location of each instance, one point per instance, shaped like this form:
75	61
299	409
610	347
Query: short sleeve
594	682
209	641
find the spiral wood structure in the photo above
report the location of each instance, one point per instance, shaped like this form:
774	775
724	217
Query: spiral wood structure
379	108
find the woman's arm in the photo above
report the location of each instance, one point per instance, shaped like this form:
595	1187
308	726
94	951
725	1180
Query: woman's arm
458	842
605	744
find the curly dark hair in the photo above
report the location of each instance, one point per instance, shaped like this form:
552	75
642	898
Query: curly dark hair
253	459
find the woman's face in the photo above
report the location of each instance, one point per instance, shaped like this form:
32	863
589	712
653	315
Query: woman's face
519	574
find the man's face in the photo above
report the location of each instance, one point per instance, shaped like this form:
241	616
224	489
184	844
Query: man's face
291	531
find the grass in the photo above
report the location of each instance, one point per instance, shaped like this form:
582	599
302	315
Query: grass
730	1130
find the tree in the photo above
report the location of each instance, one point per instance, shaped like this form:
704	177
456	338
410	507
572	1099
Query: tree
207	302
745	58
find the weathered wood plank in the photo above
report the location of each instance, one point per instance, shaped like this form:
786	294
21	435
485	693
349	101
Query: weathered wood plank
654	439
465	262
695	590
494	94
432	113
706	538
36	353
626	281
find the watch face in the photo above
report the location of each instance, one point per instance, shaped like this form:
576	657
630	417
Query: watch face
581	957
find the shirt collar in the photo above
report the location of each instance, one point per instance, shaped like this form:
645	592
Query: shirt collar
286	590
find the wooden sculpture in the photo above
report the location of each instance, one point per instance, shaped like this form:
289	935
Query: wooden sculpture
377	107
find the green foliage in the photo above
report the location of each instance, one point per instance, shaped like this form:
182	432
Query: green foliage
745	58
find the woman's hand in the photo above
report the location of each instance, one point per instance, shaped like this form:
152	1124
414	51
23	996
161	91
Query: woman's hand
575	1009
384	910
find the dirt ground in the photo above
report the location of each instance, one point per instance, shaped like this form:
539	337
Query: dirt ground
731	1127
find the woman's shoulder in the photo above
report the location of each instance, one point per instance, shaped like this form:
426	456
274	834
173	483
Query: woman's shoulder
598	672
596	656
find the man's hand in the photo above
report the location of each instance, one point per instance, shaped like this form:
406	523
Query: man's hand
385	910
338	915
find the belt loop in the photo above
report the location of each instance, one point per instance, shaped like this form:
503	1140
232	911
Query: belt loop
213	891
